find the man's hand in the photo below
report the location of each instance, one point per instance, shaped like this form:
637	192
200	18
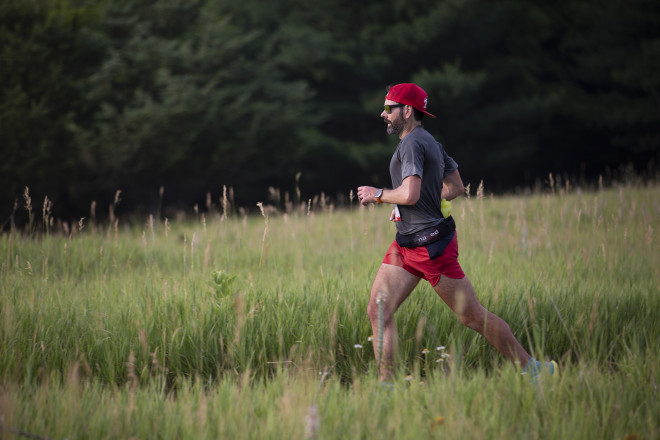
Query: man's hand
367	194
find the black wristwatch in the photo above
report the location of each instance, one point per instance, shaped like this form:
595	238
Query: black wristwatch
378	195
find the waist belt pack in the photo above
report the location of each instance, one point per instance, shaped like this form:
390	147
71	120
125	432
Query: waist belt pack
427	236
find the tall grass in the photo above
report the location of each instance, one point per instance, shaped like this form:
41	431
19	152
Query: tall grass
236	326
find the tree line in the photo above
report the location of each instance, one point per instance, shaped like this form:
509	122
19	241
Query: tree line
194	95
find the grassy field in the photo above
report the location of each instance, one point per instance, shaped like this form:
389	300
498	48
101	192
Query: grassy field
256	327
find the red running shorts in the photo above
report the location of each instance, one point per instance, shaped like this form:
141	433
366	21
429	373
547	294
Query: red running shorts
418	262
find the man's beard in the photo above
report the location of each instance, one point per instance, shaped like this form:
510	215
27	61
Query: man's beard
396	126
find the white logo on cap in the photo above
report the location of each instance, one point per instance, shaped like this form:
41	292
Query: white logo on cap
425	101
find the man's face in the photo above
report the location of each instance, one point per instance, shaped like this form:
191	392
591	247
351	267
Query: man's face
395	121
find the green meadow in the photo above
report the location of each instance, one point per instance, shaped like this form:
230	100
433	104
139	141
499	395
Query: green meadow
223	325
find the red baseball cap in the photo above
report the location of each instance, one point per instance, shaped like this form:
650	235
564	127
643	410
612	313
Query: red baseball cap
409	94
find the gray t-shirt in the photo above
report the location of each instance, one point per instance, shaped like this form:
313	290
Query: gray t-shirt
420	154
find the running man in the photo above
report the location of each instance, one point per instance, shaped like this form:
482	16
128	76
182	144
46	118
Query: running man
424	179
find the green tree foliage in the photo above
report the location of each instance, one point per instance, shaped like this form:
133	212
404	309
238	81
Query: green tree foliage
531	87
188	100
47	50
193	95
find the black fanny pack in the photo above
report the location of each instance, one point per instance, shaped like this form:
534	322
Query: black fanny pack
427	236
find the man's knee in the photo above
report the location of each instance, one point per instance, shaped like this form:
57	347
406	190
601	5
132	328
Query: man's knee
474	318
373	312
481	322
469	322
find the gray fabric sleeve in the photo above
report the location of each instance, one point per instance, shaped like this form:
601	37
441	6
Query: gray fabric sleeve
412	160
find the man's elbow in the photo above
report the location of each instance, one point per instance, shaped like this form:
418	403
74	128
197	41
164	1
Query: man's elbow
460	189
411	199
411	189
455	188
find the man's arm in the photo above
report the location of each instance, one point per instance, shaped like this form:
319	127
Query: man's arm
406	194
452	186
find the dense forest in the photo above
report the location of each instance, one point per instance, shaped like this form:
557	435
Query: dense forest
193	95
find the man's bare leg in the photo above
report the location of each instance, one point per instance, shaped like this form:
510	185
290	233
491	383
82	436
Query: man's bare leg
396	284
462	299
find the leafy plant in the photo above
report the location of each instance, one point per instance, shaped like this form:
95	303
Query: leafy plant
223	283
